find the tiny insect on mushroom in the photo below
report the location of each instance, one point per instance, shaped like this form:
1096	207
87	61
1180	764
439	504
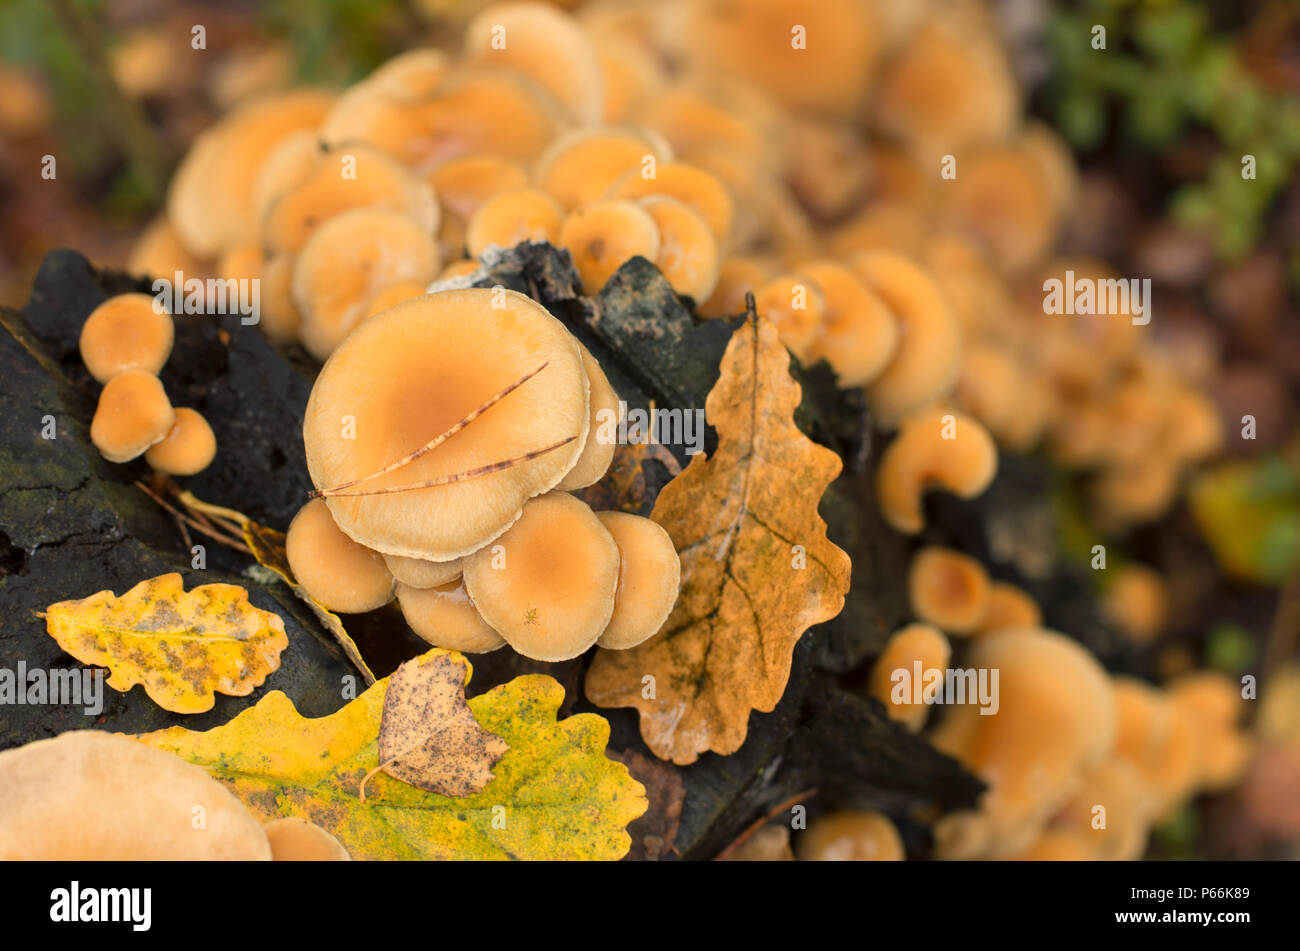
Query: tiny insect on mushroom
337	572
948	589
545	44
598	449
1009	606
126	332
925	364
796	306
508	218
550	586
445	616
858	335
294	839
688	253
605	234
133	414
649	575
851	837
922	457
582	165
347	261
187	449
142	801
1055	720
433	422
422	573
906	647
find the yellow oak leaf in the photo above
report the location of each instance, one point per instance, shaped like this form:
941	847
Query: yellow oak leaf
757	567
554	795
184	647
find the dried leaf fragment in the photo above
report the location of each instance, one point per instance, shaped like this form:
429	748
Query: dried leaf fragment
182	646
757	567
428	736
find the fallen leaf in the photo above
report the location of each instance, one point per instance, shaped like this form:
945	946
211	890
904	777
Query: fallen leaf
182	646
554	796
654	834
627	485
757	567
428	736
267	546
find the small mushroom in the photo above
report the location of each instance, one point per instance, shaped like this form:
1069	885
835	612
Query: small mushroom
915	643
858	335
294	839
925	365
1212	701
582	165
688	253
1158	741
922	457
508	218
699	190
422	573
603	235
87	795
445	616
133	414
459	381
948	589
279	317
649	574
598	449
188	449
124	333
851	837
464	183
1009	606
346	262
548	584
1136	602
336	571
545	44
796	307
392	295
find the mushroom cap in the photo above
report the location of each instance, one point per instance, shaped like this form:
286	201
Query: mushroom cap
549	586
332	568
445	616
422	573
87	795
1004	197
1058	845
582	165
851	837
279	318
545	44
463	183
699	190
1009	606
187	449
858	335
1115	785
210	202
348	260
133	414
925	365
921	458
1056	719
630	72
948	589
796	306
394	294
738	275
597	450
411	373
1137	602
605	234
649	576
372	180
126	333
294	839
510	217
688	253
915	642
1156	740
158	250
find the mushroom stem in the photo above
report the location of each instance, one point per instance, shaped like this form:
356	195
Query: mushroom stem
433	443
450	479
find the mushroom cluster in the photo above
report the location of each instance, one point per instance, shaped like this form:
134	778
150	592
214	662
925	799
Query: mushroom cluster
124	343
443	436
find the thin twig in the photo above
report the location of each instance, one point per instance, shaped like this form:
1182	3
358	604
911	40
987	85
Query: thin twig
468	474
436	441
758	824
194	523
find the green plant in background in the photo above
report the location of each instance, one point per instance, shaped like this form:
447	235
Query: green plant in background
1167	71
1249	513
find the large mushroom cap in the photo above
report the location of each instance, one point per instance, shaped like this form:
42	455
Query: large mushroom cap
548	585
410	374
296	840
126	332
88	795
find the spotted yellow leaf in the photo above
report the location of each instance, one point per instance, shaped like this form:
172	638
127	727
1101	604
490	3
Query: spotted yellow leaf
183	646
554	793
